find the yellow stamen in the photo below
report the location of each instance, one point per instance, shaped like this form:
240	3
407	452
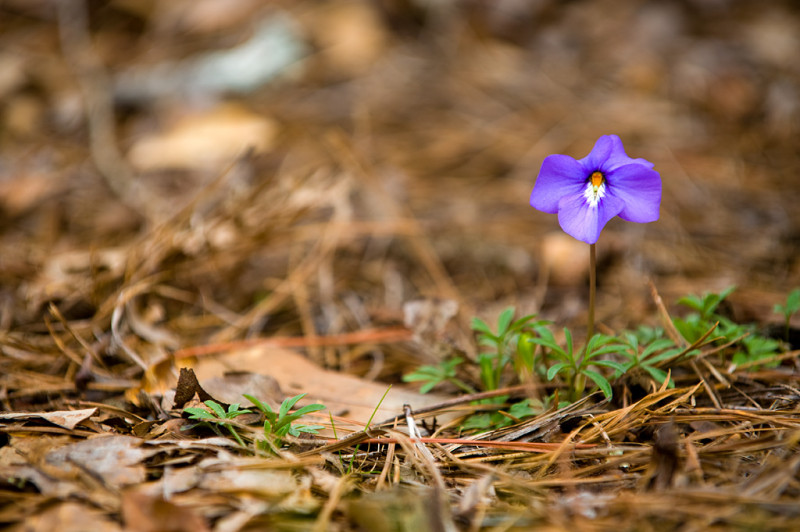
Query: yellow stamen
597	179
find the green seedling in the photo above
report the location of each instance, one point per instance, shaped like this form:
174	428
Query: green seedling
217	416
748	345
502	418
575	367
646	357
432	376
509	344
277	425
788	310
698	322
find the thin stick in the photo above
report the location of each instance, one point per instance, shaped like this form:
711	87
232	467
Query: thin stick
592	290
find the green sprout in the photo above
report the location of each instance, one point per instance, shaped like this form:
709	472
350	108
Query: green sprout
435	375
789	309
698	322
217	416
509	344
648	356
752	347
277	425
574	367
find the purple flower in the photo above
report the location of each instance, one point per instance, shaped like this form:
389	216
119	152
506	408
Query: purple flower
587	193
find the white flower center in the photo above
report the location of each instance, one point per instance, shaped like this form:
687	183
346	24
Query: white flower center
595	188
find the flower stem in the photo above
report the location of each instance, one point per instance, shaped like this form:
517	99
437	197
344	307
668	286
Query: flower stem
592	290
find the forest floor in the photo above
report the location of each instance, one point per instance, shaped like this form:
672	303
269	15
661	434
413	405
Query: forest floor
204	199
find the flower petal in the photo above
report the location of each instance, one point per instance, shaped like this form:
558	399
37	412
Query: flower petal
618	157
560	176
584	222
639	189
599	154
608	154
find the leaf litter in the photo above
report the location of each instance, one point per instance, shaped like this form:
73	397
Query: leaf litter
382	204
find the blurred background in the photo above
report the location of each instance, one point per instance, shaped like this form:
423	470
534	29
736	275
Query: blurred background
225	168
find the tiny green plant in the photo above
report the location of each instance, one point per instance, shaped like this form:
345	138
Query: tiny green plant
277	425
646	357
508	344
788	310
575	367
499	418
748	345
217	416
698	322
432	376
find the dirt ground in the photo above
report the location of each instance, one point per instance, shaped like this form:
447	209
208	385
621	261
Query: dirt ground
274	182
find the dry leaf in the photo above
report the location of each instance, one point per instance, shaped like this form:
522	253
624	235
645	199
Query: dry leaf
143	513
63	418
343	394
116	459
205	140
68	517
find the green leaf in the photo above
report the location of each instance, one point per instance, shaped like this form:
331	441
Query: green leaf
315	407
658	375
568	336
287	404
485	362
692	301
522	409
555	369
611	364
551	345
478	421
604	351
664	356
479	325
525	351
264	407
489	340
793	301
656	345
687	329
523	321
428	386
598	340
297	430
216	407
792	304
199	413
600	381
504	320
233	411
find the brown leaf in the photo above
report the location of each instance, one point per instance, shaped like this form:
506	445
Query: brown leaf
187	387
68	517
143	513
63	418
116	459
343	394
231	386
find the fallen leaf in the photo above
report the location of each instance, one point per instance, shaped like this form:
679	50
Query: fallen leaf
205	140
342	394
187	387
68	517
63	418
270	483
116	459
232	386
143	513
